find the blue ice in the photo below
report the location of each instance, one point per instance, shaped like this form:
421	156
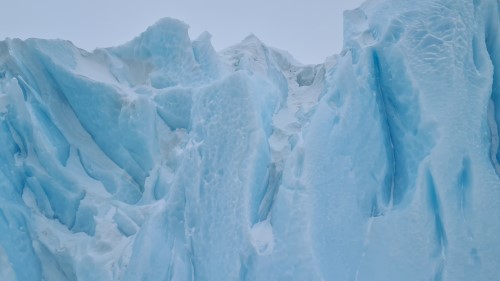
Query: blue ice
163	159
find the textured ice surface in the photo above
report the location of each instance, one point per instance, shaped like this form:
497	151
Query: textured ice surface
162	159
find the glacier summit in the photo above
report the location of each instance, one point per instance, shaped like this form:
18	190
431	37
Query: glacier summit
162	159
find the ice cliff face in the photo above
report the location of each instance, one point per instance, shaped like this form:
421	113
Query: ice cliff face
163	160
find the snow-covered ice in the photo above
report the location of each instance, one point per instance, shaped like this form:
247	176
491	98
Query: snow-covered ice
162	159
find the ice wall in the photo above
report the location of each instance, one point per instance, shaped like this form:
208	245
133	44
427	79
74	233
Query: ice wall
162	159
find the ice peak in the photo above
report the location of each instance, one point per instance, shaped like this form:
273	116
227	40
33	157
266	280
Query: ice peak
252	38
165	27
167	33
204	37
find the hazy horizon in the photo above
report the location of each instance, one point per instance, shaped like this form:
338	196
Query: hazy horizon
309	32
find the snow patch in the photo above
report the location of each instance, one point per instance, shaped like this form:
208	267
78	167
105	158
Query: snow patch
262	238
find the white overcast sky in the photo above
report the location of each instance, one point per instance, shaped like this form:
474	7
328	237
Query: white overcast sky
310	30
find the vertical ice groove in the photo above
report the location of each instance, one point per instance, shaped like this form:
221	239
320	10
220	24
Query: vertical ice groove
439	272
272	186
388	133
440	233
494	138
43	120
435	209
492	42
464	185
243	270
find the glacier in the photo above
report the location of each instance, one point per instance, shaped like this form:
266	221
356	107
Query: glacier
162	159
